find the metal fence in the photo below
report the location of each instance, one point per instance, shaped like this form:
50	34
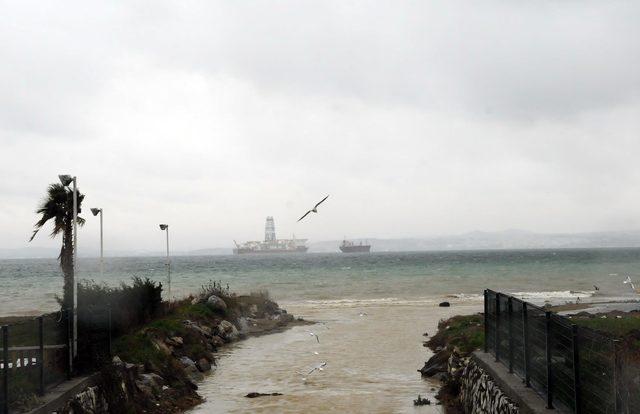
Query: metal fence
570	366
34	356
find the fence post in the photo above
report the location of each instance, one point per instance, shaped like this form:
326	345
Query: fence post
616	364
110	353
486	321
525	328
5	358
41	354
548	358
510	310
497	325
576	370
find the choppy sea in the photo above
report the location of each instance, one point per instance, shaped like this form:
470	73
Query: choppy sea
30	285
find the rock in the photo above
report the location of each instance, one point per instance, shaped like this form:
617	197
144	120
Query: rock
437	363
161	346
227	331
145	389
253	310
425	334
421	401
259	394
203	365
216	341
444	304
175	341
285	318
151	381
195	376
202	330
441	376
117	361
216	304
187	362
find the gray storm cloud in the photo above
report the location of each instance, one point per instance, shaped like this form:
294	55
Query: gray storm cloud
419	118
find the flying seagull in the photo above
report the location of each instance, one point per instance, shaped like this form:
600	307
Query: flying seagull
628	280
319	367
314	334
314	209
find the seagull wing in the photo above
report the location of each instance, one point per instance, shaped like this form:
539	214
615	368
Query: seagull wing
321	201
305	215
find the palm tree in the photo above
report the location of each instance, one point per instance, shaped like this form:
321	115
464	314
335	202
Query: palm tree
58	206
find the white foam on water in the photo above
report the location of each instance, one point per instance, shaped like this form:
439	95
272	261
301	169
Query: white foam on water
561	294
358	303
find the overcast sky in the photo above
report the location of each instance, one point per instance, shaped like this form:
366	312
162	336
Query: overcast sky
419	118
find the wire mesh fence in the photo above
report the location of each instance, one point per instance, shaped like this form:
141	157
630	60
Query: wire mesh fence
571	367
34	357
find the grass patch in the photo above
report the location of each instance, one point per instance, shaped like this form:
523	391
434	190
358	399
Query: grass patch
168	326
611	325
199	310
463	332
138	349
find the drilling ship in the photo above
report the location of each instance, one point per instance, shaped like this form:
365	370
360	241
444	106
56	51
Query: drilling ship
271	244
350	247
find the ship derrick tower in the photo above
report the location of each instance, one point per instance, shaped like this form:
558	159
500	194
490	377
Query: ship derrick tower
269	230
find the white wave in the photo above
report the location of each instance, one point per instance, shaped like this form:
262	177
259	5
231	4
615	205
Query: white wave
355	303
560	294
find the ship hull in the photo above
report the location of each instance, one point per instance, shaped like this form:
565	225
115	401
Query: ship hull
355	249
299	249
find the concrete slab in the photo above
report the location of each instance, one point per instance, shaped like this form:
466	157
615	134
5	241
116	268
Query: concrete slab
528	400
57	396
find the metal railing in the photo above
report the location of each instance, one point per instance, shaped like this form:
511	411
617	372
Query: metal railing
34	356
570	366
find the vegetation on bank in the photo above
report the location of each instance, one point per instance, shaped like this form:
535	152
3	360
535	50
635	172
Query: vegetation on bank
456	338
617	324
464	334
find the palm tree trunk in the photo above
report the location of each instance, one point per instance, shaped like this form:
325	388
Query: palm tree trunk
66	263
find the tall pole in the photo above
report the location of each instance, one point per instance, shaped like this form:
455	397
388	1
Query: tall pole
75	262
168	264
101	247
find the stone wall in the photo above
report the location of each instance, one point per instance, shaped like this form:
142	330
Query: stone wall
480	394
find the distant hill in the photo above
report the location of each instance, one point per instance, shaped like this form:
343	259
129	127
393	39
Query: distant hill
508	239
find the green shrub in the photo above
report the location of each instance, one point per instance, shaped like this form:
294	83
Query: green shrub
130	305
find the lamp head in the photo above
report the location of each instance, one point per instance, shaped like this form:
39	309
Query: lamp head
65	179
96	211
164	226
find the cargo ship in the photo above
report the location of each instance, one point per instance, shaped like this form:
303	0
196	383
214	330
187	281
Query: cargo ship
350	247
271	244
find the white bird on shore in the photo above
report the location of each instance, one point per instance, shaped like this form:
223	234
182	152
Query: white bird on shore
628	280
314	334
314	209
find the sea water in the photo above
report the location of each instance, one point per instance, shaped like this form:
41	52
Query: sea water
31	285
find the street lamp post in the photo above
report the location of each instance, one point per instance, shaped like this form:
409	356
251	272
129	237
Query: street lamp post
165	227
95	212
66	180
